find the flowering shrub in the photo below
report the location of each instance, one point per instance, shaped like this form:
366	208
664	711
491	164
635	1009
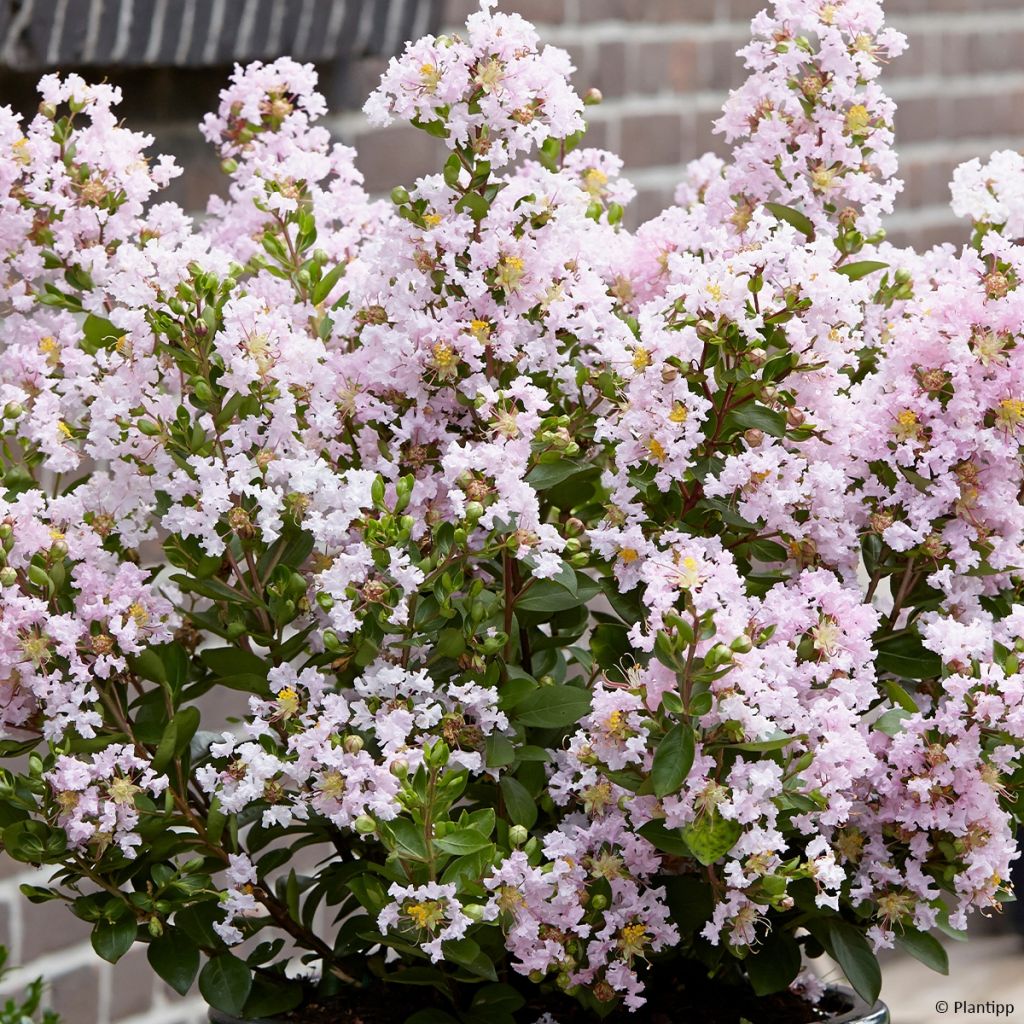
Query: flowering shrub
591	602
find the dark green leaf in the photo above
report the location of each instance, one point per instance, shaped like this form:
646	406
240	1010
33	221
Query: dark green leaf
904	655
773	965
466	953
673	759
924	947
846	944
548	474
750	415
520	805
175	959
547	596
552	707
112	939
666	840
225	983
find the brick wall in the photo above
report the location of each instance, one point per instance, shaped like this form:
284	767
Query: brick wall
664	67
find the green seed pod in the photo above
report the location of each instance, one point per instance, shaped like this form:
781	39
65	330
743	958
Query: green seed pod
517	835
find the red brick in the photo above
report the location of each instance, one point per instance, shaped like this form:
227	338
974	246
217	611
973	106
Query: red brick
607	71
652	140
650	10
397	156
540	12
719	67
131	986
649	203
75	995
661	66
48	927
457	11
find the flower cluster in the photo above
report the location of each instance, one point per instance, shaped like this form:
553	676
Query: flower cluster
494	92
467	583
96	799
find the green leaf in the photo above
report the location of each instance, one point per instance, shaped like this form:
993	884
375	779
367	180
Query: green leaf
855	271
766	746
609	644
711	836
690	901
405	838
232	661
326	283
225	983
461	842
751	415
924	947
466	953
271	998
112	939
846	944
673	759
518	803
196	921
175	959
904	655
466	870
774	964
176	738
548	474
891	722
548	596
474	204
552	707
666	840
500	751
431	1016
794	217
498	999
900	697
98	333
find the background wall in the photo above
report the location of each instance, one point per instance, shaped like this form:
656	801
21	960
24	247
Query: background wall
664	67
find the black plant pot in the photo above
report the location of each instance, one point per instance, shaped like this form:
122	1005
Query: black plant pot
859	1013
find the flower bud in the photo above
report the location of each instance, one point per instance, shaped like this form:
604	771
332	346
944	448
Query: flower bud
8	576
399	768
517	835
364	825
399	195
592	97
12	410
753	436
352	744
229	165
795	417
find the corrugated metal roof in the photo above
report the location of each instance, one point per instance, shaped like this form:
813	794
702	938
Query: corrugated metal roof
37	34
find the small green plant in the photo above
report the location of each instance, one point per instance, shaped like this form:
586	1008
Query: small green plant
25	1009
